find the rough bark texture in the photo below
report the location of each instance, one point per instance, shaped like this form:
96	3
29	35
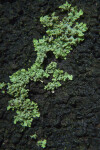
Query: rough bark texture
70	118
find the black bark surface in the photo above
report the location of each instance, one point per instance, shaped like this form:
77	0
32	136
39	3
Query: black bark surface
70	118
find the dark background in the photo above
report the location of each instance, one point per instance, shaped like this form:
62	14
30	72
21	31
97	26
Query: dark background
70	118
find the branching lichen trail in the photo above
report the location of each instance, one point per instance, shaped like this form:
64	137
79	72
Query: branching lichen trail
61	36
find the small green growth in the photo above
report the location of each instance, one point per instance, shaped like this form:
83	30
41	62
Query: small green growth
34	136
65	6
42	143
2	85
3	92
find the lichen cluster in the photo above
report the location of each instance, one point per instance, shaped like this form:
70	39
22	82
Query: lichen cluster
62	34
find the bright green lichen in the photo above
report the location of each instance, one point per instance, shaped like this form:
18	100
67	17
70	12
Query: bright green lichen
62	34
42	143
2	85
